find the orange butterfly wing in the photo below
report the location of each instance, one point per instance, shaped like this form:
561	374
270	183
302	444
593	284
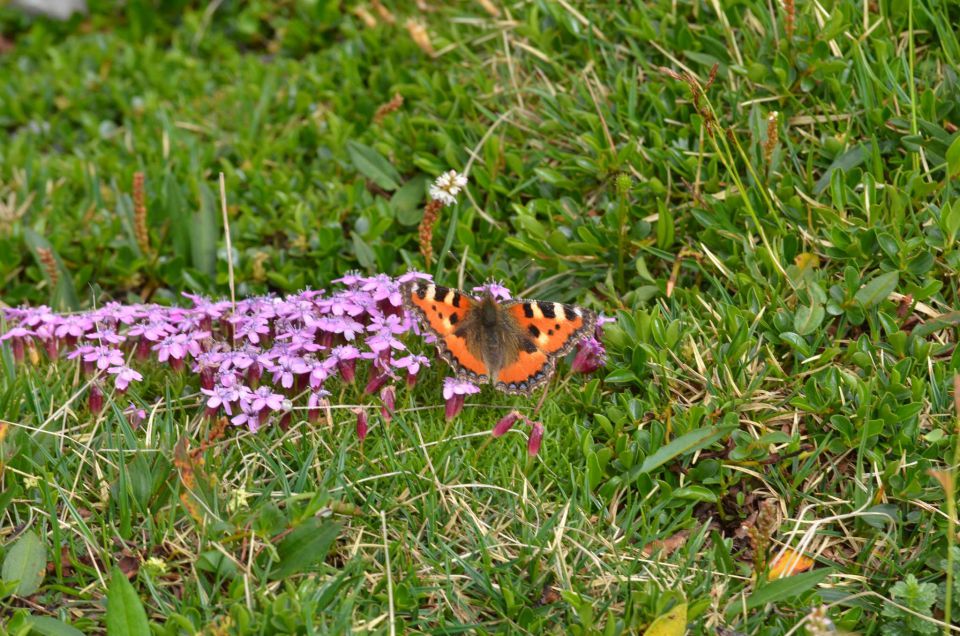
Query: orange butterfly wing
550	331
440	309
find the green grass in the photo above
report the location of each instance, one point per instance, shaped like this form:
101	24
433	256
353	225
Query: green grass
785	302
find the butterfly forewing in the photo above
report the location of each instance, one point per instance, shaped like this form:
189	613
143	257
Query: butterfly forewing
441	310
553	327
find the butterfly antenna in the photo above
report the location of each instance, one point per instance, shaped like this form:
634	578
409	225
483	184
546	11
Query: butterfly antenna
463	266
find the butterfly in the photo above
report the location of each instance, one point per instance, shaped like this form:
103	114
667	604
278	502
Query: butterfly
513	344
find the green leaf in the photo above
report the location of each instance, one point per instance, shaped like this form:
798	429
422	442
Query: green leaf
665	229
673	623
406	201
204	233
953	156
695	492
373	166
26	562
684	445
363	252
808	319
125	613
943	321
7	496
594	472
307	544
845	162
783	589
877	289
46	626
950	219
619	376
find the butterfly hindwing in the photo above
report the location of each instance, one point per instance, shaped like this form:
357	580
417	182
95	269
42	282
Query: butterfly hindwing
550	331
530	370
441	309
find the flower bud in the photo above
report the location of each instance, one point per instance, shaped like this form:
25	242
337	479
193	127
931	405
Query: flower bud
411	380
361	424
377	379
95	399
453	406
536	436
505	424
207	378
347	369
388	396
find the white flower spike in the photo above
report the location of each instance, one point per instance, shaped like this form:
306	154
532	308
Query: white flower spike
447	186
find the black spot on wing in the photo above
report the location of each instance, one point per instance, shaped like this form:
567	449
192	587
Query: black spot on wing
420	291
534	331
439	293
456	299
547	310
453	319
528	346
528	310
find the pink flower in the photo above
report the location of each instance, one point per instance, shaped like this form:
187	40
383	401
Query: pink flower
17	335
106	335
350	279
286	367
591	355
411	364
454	392
252	329
264	398
124	376
222	395
414	275
135	416
382	287
104	357
73	327
495	289
343	326
154	330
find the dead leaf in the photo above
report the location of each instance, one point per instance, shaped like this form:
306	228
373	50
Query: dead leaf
490	8
946	480
666	546
419	34
549	596
129	565
365	16
788	563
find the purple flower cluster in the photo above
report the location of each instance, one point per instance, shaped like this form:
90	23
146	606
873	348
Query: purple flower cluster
252	361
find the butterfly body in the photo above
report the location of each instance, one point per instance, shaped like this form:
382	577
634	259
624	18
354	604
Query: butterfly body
512	344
